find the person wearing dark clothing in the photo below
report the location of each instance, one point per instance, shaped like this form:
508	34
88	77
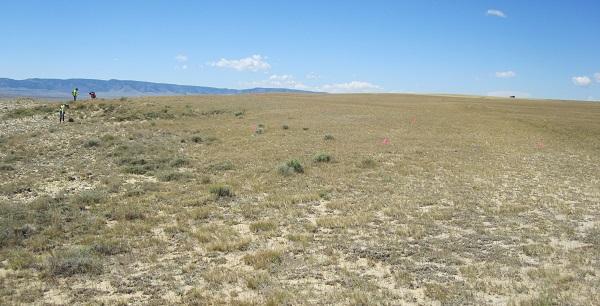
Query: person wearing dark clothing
93	95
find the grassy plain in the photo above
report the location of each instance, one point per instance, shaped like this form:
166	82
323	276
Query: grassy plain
300	199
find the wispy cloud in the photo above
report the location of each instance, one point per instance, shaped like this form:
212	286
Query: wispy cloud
181	58
252	63
312	76
496	13
351	87
506	74
582	81
597	76
280	81
288	81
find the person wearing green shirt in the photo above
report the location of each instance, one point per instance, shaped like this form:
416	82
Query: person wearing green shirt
75	92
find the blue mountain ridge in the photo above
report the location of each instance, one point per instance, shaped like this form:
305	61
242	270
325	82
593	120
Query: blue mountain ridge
60	88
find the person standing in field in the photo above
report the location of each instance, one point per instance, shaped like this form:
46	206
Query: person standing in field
61	113
75	92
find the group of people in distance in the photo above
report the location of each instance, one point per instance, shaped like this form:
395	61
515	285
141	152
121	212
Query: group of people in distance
75	93
64	106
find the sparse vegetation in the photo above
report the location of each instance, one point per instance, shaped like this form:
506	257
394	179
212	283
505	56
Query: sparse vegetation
91	143
368	163
463	208
291	167
322	158
77	260
221	191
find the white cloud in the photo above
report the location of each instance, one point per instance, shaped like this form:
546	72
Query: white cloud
581	81
280	81
252	63
505	74
497	13
282	77
181	58
597	76
351	87
312	76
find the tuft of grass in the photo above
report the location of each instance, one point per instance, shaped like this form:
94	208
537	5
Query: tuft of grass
238	114
368	163
92	143
171	176
123	99
87	197
259	130
110	247
264	259
291	167
179	162
221	166
196	139
19	259
263	226
71	120
322	158
221	191
78	260
329	137
285	127
5	167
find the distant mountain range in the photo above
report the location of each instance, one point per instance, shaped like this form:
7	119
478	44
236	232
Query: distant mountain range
57	88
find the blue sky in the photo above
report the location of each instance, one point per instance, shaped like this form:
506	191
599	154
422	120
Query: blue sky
541	49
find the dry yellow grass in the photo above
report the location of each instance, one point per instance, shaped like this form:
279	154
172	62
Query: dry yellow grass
199	200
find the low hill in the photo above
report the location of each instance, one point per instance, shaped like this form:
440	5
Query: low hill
58	88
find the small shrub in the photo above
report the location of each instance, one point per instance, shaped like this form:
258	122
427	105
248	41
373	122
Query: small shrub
171	176
87	197
92	143
259	131
262	226
221	191
285	127
291	167
19	259
305	129
196	139
71	120
123	99
329	137
261	126
264	259
221	166
178	162
238	114
4	167
110	247
74	261
322	158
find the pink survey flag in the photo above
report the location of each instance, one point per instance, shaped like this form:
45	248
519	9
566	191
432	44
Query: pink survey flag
386	141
